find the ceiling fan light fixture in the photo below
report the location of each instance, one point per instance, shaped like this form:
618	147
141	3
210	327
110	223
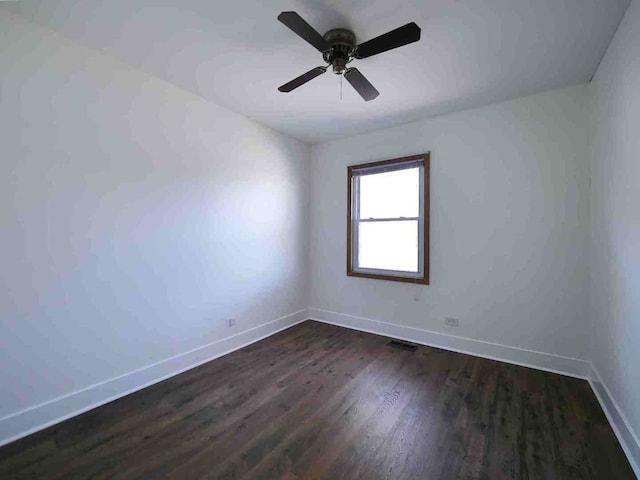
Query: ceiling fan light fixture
342	46
339	48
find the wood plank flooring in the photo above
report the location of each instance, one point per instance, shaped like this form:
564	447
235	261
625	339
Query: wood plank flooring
323	402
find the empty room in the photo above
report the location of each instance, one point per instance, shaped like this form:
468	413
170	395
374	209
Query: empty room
320	239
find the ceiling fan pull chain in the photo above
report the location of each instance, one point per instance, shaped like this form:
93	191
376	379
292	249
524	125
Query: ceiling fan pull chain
338	47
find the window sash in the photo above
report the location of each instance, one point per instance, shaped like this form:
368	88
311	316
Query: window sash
388	219
356	220
390	167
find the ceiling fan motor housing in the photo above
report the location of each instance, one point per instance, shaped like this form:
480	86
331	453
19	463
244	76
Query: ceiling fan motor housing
343	45
338	47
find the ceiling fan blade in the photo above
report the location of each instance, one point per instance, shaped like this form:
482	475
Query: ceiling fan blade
361	84
305	31
302	79
399	37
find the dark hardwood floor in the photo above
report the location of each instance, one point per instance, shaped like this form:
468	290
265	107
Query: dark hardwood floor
323	402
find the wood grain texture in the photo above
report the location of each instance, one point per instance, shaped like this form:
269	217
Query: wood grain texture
324	402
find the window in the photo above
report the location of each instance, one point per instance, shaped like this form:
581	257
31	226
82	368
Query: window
388	220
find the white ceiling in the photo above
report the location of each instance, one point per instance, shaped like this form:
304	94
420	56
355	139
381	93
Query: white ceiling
236	53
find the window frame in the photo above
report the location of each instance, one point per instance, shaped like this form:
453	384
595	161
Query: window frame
422	276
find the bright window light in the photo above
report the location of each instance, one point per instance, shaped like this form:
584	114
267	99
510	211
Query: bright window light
387	219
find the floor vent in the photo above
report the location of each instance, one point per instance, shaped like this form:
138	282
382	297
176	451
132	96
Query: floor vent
412	347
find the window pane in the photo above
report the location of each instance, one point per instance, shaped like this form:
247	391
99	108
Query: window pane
390	194
388	245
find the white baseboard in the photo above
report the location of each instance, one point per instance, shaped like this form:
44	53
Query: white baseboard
548	362
626	436
38	417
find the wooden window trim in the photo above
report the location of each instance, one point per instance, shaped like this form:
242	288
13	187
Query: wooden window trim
424	280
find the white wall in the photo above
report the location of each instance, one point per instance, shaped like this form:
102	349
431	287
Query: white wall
615	227
509	224
134	217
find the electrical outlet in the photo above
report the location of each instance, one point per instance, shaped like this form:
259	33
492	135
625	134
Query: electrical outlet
452	322
230	322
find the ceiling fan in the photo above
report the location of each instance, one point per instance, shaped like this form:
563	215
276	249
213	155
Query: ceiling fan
338	48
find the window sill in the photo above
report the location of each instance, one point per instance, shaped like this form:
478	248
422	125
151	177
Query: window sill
393	278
